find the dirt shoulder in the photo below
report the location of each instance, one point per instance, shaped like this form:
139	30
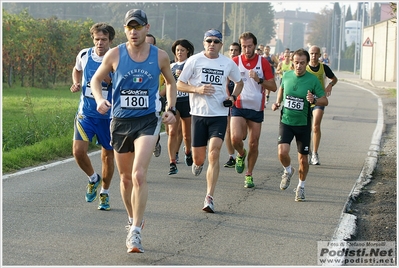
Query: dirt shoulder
375	208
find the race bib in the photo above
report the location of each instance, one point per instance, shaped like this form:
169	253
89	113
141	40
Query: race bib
293	103
134	99
212	76
181	94
89	93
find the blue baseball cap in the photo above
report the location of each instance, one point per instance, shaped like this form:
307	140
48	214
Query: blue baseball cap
213	32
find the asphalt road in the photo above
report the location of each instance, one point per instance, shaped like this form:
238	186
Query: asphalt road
46	220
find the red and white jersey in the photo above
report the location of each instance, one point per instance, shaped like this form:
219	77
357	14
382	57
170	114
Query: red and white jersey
252	95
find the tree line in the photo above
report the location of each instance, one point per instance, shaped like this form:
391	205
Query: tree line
41	52
39	49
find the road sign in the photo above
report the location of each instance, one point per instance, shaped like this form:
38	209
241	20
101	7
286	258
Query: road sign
368	43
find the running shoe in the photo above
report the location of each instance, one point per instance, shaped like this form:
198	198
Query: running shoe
196	169
286	179
104	202
300	194
315	159
240	162
177	158
173	169
208	204
157	150
91	189
188	158
129	225
133	243
249	181
230	163
267	99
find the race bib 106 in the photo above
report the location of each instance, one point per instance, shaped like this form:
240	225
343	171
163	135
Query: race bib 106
212	76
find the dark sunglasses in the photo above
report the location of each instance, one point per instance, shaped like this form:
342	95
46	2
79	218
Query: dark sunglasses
215	41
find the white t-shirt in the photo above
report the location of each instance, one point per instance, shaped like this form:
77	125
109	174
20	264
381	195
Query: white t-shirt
201	70
83	57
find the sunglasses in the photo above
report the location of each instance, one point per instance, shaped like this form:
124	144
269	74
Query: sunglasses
215	41
137	27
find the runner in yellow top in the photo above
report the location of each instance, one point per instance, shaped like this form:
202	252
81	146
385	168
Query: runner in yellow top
285	65
321	71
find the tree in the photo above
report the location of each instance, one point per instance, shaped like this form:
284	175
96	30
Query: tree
321	29
394	9
349	15
376	13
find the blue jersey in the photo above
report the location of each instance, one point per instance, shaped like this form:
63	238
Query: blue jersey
181	96
135	85
269	59
87	104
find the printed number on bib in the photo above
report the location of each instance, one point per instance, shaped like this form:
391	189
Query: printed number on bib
134	99
294	103
212	76
181	94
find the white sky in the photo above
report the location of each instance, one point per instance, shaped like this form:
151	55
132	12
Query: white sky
311	6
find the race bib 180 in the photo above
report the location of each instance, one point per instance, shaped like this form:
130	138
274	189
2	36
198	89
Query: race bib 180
134	99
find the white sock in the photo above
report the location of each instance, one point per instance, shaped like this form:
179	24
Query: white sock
135	229
301	184
104	191
232	155
130	220
93	178
288	169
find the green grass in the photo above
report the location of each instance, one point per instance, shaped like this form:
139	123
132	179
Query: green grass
392	92
37	125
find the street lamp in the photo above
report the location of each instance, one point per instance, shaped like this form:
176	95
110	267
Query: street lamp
291	36
340	37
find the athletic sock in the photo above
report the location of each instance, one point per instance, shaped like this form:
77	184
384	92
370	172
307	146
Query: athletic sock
104	191
288	169
301	184
93	178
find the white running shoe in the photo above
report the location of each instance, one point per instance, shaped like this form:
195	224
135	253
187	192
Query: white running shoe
208	204
315	159
286	179
133	243
300	194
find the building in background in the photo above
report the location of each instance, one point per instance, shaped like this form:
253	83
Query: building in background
292	30
353	32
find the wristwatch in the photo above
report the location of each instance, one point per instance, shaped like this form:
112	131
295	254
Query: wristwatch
234	97
314	101
260	81
172	109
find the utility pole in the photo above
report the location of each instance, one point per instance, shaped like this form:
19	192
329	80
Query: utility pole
340	38
357	39
223	25
235	21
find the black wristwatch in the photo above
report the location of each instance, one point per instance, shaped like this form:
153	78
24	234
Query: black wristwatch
172	109
234	97
260	81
